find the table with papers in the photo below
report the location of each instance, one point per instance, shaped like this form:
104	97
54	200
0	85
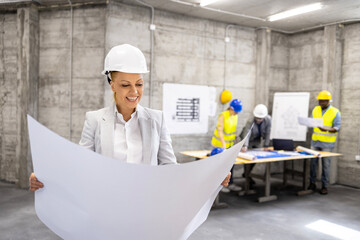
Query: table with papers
284	156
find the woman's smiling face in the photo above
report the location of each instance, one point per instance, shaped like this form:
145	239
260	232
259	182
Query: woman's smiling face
128	89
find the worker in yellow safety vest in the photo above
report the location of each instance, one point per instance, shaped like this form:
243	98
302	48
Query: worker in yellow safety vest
324	138
225	134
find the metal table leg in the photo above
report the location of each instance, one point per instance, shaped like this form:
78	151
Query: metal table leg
284	175
247	190
306	176
267	196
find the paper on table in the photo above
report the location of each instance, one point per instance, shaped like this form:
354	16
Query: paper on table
247	156
290	153
307	150
310	122
199	153
89	196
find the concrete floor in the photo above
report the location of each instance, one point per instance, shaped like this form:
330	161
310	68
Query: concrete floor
243	219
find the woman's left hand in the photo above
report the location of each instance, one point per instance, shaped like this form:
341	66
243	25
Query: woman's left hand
226	181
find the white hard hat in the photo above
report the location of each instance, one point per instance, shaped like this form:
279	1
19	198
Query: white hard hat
260	111
125	58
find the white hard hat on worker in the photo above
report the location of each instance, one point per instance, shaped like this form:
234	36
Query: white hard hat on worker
124	58
123	67
260	111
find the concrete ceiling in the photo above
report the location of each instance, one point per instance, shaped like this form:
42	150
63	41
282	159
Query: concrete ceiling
251	13
256	12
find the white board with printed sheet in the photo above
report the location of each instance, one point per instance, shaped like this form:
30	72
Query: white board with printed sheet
187	107
287	107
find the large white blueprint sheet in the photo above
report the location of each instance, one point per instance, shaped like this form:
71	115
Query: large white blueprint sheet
89	196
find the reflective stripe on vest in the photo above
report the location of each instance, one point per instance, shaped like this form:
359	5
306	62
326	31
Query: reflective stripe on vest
328	119
229	131
326	134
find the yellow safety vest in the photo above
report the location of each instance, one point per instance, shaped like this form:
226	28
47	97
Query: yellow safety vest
229	132
328	118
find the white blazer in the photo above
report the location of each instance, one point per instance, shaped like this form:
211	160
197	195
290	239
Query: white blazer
98	134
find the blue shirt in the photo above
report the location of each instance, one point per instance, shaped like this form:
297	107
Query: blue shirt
336	125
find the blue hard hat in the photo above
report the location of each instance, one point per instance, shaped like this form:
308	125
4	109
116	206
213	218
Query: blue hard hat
236	105
216	151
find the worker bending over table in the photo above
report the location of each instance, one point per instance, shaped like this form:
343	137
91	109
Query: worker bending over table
324	138
225	134
260	133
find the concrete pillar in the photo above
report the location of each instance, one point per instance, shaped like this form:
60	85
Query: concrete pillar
263	66
333	50
27	87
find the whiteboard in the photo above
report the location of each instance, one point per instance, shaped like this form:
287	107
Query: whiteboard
287	108
186	108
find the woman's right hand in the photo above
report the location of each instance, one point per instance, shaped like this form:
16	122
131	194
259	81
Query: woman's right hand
34	183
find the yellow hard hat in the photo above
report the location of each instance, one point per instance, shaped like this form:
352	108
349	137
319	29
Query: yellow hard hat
226	96
324	95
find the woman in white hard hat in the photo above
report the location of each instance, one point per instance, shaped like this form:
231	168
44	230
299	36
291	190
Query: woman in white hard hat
260	133
126	131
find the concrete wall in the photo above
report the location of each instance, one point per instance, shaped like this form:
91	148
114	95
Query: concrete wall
349	142
278	78
187	50
87	62
8	96
27	85
127	24
306	63
191	51
306	52
279	65
324	59
54	72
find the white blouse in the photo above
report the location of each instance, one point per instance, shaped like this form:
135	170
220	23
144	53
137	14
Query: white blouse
127	138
